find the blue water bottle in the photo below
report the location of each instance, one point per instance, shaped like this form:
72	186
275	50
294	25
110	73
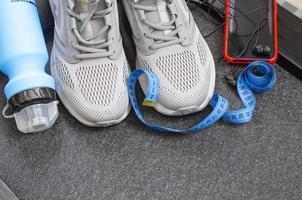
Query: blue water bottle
30	92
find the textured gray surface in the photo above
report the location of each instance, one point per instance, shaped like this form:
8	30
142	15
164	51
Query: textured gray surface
259	160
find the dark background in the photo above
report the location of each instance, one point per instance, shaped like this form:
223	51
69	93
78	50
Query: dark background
258	160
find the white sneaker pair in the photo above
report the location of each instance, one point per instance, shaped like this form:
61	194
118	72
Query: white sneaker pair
90	68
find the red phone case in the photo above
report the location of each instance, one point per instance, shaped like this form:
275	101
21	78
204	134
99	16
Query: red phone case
249	60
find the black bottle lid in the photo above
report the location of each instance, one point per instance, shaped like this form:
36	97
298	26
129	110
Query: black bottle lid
31	97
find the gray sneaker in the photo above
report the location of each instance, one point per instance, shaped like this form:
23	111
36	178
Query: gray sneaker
169	43
88	61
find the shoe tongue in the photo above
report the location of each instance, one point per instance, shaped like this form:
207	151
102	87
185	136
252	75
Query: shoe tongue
84	8
162	14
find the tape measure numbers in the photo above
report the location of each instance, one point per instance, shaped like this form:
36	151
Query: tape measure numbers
259	77
218	103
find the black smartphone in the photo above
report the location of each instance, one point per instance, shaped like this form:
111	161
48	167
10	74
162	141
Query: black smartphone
250	31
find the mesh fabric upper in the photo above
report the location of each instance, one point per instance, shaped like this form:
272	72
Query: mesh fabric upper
64	74
97	92
187	73
180	69
98	83
96	115
202	51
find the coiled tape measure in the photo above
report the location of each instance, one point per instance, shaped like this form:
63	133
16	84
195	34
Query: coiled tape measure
259	77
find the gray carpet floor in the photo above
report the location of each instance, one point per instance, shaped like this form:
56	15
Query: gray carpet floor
258	160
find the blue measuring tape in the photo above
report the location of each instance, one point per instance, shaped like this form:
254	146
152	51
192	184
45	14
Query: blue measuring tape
263	81
259	77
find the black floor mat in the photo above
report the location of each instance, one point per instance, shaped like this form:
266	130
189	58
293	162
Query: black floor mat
258	160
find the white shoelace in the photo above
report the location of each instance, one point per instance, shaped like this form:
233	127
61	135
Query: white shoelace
89	47
161	40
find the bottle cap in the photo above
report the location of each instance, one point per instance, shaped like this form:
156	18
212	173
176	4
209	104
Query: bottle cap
37	117
34	110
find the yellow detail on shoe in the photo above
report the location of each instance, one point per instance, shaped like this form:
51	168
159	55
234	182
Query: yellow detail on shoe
83	3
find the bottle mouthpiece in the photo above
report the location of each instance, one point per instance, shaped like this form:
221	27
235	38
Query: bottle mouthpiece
34	110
